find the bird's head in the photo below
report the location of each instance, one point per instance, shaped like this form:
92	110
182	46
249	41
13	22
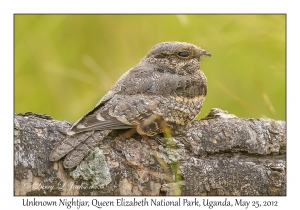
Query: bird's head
181	57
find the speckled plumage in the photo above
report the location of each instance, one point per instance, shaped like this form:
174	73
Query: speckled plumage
166	89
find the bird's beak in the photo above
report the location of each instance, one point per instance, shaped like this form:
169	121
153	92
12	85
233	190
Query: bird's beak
204	52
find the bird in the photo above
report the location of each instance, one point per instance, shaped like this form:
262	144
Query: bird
164	90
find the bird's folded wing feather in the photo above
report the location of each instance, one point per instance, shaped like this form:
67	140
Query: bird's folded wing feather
94	121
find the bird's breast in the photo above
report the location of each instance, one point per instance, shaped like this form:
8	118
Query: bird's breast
177	109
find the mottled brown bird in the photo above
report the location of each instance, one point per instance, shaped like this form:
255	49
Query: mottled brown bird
166	89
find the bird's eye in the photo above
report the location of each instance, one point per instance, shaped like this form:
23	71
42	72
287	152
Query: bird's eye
184	54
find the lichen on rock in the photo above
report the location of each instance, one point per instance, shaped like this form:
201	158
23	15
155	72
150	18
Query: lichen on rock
94	169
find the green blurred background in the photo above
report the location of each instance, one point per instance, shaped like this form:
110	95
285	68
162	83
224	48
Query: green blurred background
64	64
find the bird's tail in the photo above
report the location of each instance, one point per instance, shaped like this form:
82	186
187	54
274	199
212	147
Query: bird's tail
76	147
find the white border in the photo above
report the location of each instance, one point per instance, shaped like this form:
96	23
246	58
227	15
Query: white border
8	8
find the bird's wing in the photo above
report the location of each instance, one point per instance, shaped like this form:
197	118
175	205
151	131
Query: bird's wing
100	118
94	121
